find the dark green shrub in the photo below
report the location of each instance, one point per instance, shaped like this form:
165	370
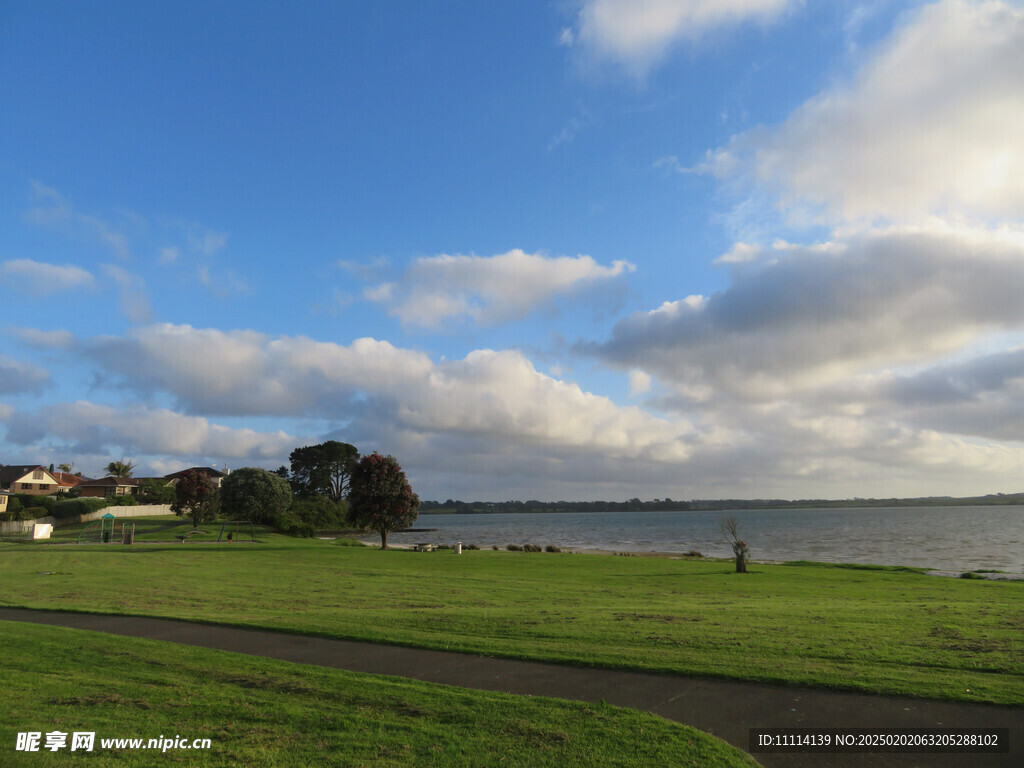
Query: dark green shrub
29	500
532	548
514	548
83	506
125	501
552	548
31	513
288	524
320	512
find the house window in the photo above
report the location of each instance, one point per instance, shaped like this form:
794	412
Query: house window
26	486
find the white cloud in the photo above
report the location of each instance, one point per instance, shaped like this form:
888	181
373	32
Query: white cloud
93	427
639	382
930	124
488	395
637	33
42	279
814	315
488	290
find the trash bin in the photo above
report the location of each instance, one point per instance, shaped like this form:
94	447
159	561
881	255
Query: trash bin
458	547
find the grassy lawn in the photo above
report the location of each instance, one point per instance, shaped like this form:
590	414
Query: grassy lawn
884	630
259	713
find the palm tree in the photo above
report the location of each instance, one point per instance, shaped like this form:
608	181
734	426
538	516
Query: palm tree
122	468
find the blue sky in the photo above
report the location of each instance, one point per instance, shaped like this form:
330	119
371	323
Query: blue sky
565	250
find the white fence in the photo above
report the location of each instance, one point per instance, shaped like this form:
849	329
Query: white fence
142	510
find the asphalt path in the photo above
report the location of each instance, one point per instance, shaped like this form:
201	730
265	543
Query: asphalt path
726	709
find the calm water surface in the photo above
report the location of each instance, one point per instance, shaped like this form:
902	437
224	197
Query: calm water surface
953	538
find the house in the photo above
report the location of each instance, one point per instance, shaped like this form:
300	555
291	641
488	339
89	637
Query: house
4	495
109	487
66	481
214	474
32	479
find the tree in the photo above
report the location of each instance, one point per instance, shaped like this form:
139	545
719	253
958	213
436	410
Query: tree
324	469
731	530
255	494
157	491
122	468
380	498
196	496
66	467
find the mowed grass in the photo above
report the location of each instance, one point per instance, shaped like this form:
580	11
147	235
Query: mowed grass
259	713
885	630
161	528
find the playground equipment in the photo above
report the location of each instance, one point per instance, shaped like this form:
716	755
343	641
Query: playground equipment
231	529
106	531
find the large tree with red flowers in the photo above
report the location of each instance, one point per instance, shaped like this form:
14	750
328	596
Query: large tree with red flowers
380	498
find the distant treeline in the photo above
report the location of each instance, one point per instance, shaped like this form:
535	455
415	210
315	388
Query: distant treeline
668	505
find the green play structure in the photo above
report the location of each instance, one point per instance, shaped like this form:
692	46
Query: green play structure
107	530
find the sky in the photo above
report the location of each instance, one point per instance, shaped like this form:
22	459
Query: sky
577	249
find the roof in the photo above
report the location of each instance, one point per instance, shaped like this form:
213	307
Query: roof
105	481
17	471
208	471
67	479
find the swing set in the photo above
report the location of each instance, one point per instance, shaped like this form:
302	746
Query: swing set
233	530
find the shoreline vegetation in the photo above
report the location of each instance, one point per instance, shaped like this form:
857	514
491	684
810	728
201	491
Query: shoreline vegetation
456	507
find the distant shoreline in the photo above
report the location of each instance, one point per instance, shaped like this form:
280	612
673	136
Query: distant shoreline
719	505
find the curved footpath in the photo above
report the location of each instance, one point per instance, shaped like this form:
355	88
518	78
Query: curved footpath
726	709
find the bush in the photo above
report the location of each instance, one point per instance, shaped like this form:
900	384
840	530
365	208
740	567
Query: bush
65	509
514	548
320	512
125	501
532	548
293	527
254	494
552	548
971	575
29	500
31	513
471	546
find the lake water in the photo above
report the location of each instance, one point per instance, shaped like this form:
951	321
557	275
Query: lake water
949	538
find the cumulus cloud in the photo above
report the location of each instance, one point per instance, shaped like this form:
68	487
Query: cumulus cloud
636	34
802	317
490	289
92	428
930	124
41	279
490	395
17	376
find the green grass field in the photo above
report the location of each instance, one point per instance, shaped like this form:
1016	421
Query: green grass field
885	630
260	713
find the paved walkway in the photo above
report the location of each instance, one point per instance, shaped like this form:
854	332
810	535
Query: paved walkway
726	709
